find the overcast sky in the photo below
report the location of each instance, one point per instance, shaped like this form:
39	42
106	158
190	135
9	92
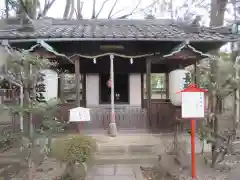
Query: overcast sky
57	9
128	5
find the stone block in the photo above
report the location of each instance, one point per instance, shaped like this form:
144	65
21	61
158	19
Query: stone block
169	166
140	148
111	150
183	158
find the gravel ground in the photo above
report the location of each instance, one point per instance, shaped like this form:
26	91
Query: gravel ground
151	174
48	170
204	172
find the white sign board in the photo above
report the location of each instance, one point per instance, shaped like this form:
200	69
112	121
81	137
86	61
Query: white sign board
79	114
193	104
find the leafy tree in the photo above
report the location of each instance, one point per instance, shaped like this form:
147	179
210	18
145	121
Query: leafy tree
187	79
25	69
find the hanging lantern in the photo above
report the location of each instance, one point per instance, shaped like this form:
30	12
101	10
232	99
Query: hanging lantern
109	83
47	86
178	80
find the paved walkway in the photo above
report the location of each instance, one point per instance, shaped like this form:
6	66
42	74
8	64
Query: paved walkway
115	172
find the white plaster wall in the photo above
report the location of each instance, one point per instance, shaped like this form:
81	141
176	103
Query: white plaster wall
92	90
135	89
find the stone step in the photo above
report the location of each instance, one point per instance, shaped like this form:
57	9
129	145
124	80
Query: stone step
125	159
10	160
128	149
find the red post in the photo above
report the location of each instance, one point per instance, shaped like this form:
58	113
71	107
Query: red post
193	149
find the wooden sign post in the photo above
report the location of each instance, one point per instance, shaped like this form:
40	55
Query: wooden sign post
193	107
79	114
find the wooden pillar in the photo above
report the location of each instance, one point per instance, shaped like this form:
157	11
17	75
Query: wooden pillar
197	74
78	78
167	85
149	88
61	87
84	90
142	90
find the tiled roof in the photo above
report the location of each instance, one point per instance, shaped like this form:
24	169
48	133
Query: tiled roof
160	30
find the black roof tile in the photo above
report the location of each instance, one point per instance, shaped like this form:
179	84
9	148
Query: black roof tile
116	29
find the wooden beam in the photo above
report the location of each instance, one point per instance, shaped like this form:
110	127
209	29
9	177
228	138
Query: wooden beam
77	77
167	85
156	59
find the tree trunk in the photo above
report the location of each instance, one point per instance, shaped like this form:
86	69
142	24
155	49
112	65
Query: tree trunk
7	8
67	9
216	19
217	12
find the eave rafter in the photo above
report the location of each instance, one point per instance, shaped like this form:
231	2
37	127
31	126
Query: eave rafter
182	51
46	47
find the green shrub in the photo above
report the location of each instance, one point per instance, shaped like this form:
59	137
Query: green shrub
72	150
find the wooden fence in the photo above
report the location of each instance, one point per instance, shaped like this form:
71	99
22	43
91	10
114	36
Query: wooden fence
127	118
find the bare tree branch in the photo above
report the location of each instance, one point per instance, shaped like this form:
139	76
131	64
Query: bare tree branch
135	9
94	9
72	10
7	8
24	11
79	9
114	5
24	8
117	12
188	9
101	8
48	4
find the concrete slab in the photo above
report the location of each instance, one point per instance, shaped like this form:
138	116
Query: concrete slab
103	170
121	172
113	178
234	174
124	170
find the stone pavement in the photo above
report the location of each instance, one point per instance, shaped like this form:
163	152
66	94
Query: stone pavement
115	172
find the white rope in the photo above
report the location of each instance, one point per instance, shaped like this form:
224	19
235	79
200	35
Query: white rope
111	53
94	57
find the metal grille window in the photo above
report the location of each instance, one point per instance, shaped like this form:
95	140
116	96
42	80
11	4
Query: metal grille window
158	86
70	87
